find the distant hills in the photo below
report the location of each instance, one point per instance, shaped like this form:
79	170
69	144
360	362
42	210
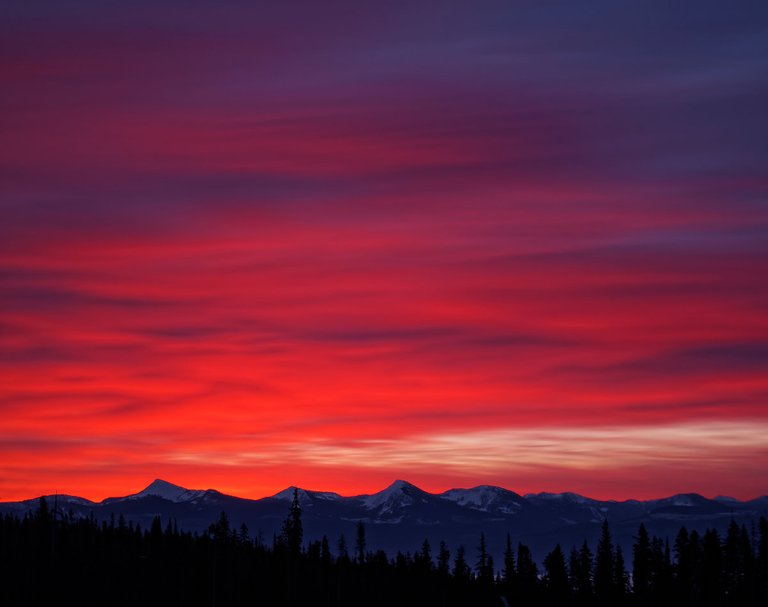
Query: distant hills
401	516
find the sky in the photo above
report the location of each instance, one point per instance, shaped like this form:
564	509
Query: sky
246	245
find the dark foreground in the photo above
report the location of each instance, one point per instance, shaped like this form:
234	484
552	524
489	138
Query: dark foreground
50	557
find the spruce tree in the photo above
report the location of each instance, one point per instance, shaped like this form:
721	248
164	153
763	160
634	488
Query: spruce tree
461	570
527	574
292	533
604	563
556	578
620	577
360	542
508	575
581	575
443	560
483	573
641	564
425	556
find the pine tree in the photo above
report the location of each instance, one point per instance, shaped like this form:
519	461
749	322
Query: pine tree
738	562
604	562
461	570
443	560
641	564
661	572
43	514
220	530
581	575
325	551
683	570
712	589
483	573
292	533
508	575
425	556
556	578
527	574
620	577
762	562
360	542
342	546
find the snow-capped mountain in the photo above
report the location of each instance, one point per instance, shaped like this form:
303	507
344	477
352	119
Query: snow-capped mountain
487	498
402	515
167	491
305	495
399	494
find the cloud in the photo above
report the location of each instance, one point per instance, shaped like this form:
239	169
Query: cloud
379	222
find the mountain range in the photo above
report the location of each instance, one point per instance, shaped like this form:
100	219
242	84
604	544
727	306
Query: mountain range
402	516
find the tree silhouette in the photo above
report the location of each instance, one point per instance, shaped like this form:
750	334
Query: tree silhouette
461	570
641	567
120	564
443	559
556	578
360	542
527	574
604	577
620	577
483	567
580	573
292	533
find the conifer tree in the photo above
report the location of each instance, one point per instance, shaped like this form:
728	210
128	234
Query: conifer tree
581	575
641	564
712	587
360	542
508	573
443	560
762	562
556	578
483	572
325	551
527	574
620	577
292	533
461	570
604	563
425	556
342	547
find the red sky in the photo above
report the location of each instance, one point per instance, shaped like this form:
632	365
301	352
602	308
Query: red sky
249	248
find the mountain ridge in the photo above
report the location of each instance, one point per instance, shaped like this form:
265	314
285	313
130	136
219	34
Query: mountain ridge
401	516
158	485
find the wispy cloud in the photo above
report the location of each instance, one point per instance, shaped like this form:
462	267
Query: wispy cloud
343	228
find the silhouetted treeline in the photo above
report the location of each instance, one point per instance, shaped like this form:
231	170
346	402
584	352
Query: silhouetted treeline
50	558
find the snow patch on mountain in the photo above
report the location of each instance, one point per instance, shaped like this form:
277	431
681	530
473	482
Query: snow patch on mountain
726	499
167	491
681	500
306	495
327	495
286	494
397	495
484	498
573	498
68	499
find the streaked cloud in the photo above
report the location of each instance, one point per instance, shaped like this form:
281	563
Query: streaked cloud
340	229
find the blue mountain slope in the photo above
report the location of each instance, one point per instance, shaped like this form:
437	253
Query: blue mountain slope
401	516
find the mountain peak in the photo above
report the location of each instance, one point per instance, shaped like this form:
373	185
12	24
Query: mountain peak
168	491
287	493
305	495
400	493
399	485
485	498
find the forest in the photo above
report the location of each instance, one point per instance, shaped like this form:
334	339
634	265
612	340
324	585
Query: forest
48	556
